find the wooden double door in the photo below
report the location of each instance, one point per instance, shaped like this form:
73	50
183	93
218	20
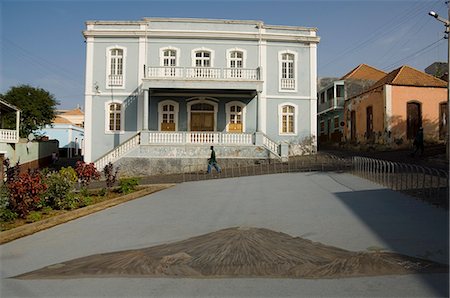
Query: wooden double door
202	121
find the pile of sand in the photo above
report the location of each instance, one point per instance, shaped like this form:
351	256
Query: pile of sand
238	252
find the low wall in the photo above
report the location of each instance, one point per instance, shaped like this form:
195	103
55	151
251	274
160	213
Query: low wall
145	166
30	155
196	151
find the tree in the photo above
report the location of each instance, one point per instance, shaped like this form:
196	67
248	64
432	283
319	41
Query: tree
38	107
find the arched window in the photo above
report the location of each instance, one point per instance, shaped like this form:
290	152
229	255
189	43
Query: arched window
169	60
288	119
116	67
287	60
168	115
202	59
114	117
235	113
236	63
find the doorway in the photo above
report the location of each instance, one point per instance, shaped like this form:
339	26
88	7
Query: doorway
202	117
413	119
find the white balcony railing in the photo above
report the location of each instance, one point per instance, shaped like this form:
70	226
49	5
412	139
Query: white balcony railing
9	136
288	84
115	80
200	137
203	73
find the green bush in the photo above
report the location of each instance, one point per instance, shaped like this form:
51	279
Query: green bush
84	201
34	216
127	185
7	215
60	187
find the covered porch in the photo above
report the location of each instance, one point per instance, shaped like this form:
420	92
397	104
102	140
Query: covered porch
175	110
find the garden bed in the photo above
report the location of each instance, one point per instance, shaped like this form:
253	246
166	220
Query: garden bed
47	218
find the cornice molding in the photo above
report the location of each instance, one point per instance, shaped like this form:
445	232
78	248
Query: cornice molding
201	35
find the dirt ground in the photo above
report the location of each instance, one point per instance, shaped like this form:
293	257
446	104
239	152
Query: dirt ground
238	252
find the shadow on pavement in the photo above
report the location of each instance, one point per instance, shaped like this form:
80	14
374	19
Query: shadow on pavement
405	226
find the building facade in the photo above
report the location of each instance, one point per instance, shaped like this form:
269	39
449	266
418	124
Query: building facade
391	111
331	98
177	82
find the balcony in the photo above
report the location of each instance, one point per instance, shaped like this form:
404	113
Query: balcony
202	78
115	80
9	136
333	104
203	73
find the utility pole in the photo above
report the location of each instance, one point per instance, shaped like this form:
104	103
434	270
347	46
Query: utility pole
447	31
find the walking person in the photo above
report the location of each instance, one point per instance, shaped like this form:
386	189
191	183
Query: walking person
418	142
212	162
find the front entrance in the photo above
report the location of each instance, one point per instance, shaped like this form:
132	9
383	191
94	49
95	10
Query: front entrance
413	119
202	121
202	116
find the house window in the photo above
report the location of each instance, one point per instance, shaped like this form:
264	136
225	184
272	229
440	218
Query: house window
287	119
203	59
330	94
202	62
336	123
322	97
236	64
169	58
116	67
235	116
287	64
168	115
115	115
340	91
169	62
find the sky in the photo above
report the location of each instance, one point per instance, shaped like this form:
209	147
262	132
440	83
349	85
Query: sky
41	42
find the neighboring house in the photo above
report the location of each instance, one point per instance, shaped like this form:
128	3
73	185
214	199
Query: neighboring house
69	135
75	116
391	111
169	88
331	98
30	154
8	135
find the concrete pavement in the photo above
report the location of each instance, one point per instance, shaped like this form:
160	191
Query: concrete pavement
335	209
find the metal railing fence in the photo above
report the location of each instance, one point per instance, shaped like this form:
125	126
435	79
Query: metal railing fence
429	184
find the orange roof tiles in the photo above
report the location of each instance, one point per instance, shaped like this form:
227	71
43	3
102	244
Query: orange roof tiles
364	72
61	120
73	112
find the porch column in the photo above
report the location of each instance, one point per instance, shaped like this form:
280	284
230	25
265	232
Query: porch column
17	124
258	112
145	124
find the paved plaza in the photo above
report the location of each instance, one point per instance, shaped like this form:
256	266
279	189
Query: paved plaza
334	209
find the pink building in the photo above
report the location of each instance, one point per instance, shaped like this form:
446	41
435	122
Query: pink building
391	111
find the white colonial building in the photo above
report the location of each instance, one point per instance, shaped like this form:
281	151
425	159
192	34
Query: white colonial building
161	91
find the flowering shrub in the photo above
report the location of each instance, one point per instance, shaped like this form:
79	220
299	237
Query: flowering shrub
110	174
86	172
12	172
60	187
25	193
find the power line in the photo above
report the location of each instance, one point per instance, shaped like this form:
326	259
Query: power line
415	54
382	31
